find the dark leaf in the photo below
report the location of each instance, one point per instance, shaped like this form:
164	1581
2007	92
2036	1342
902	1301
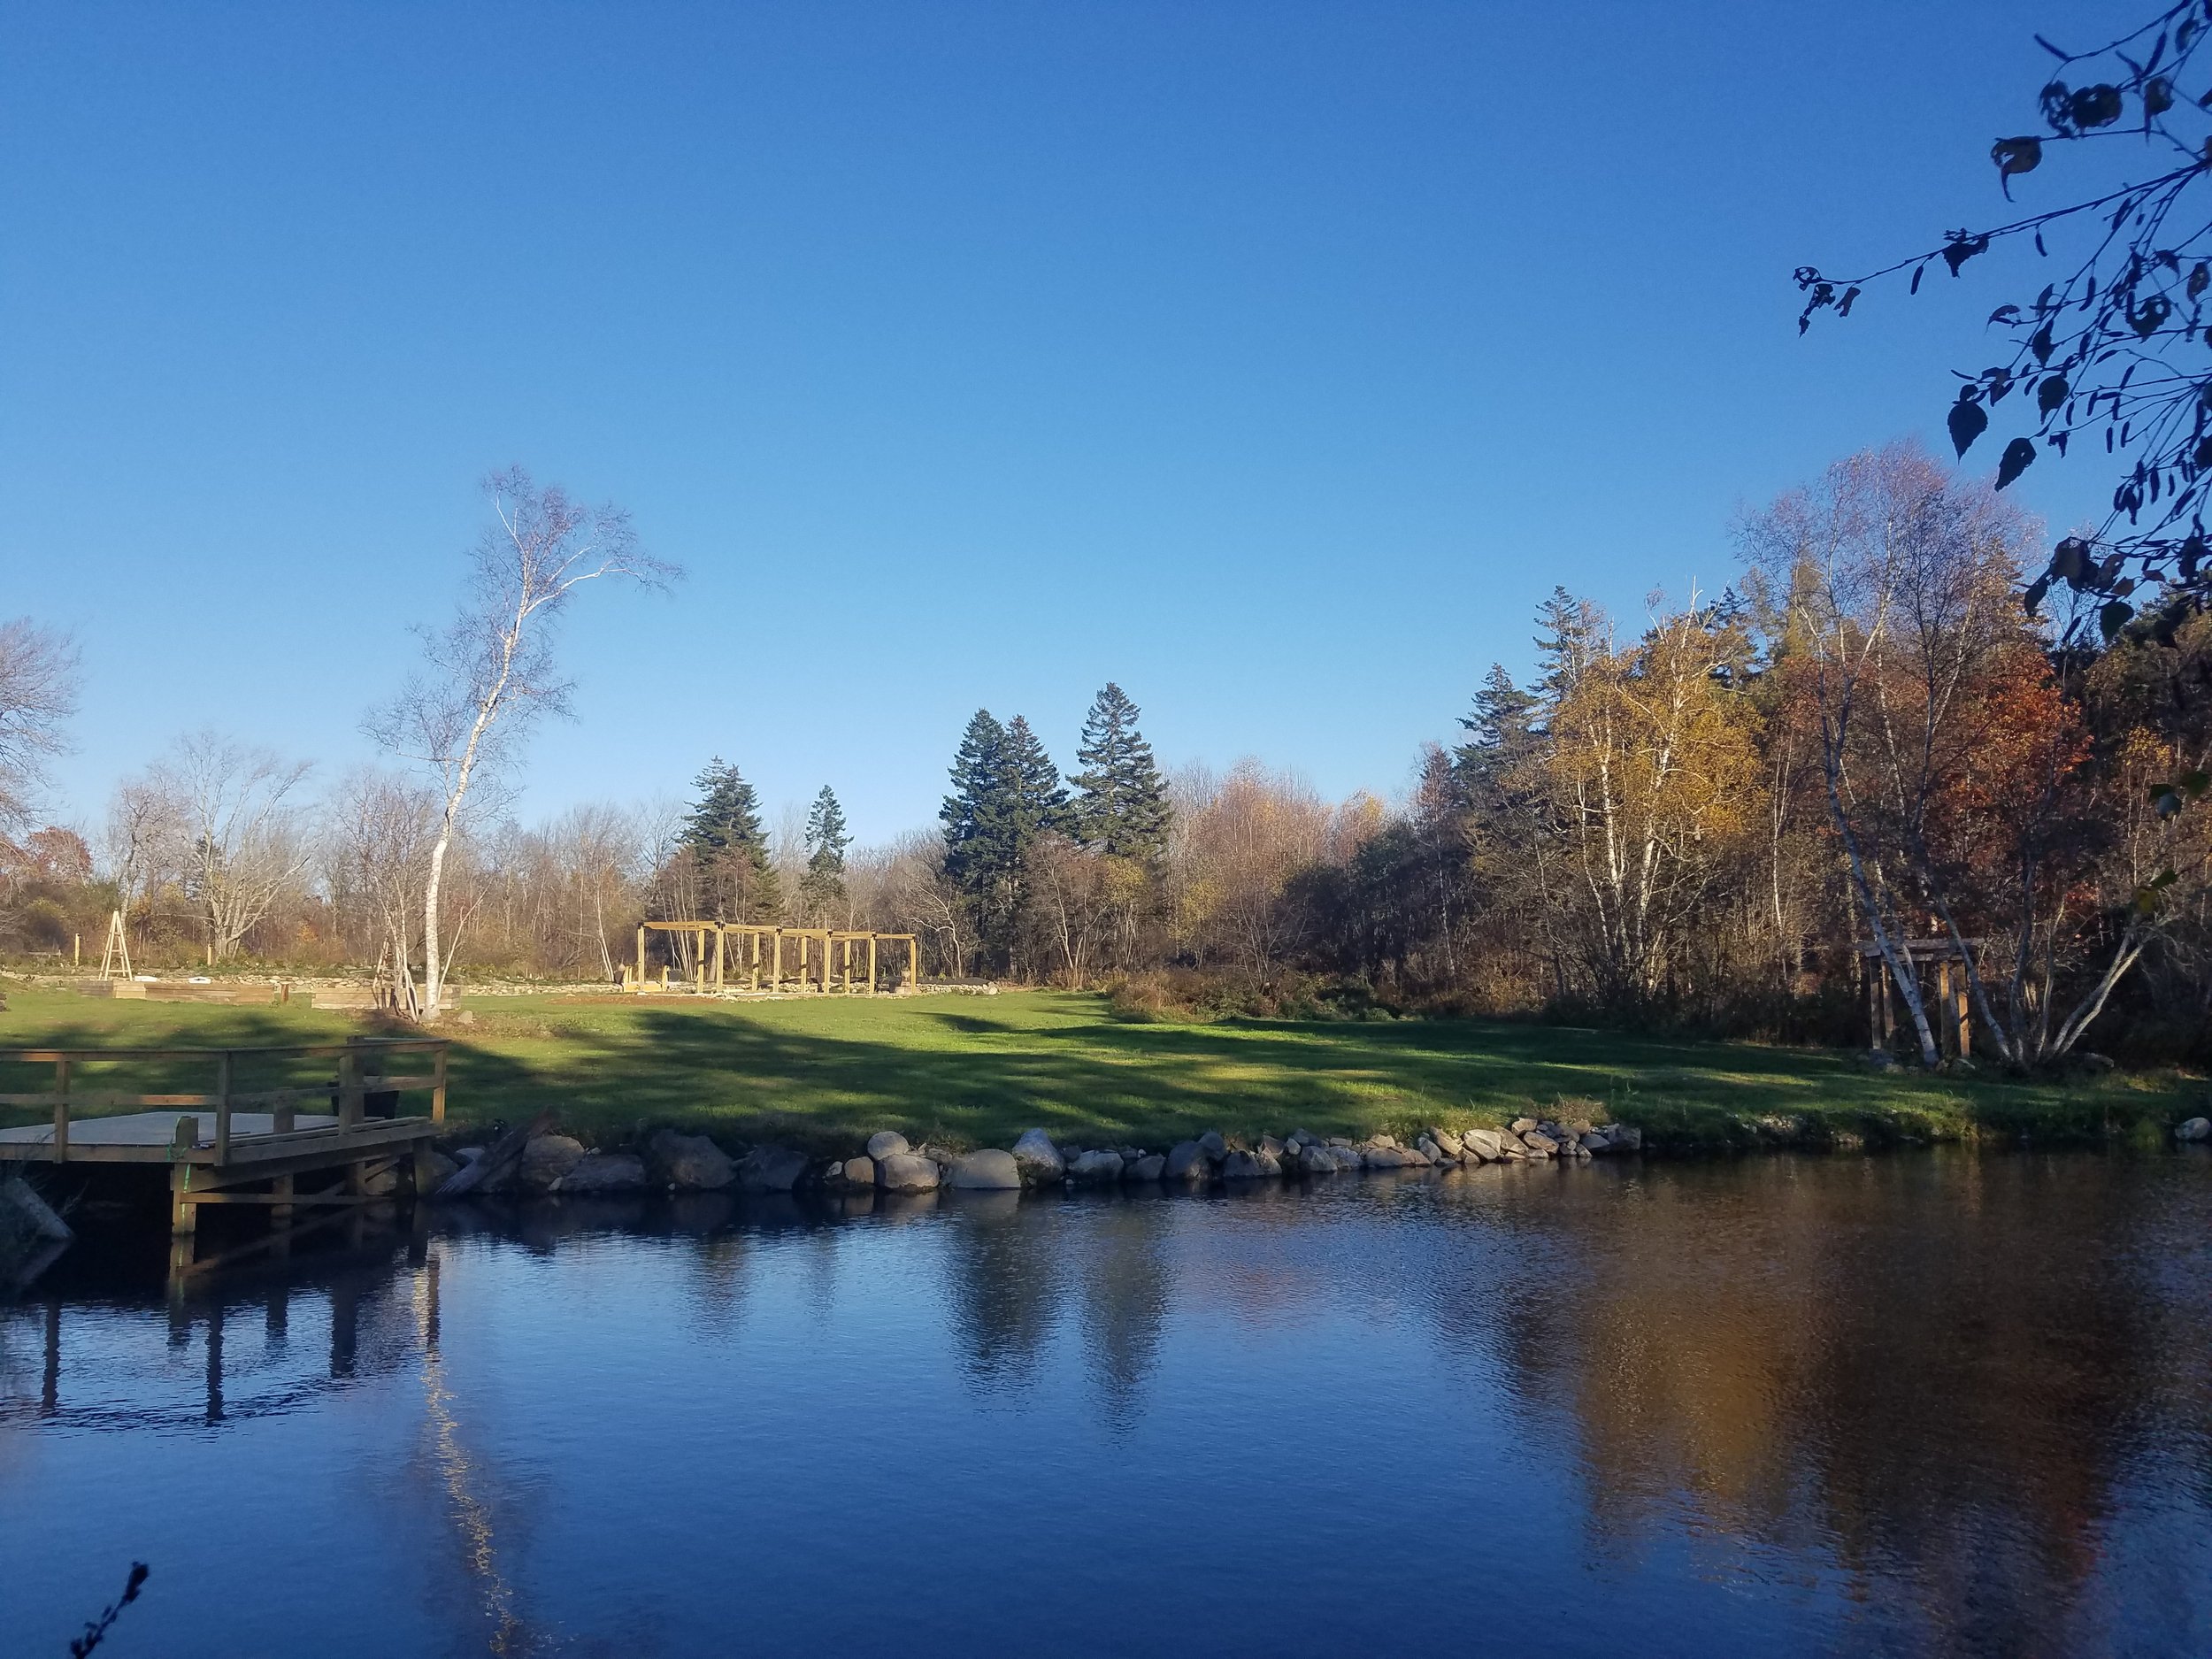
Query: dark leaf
2005	314
1916	270
1967	421
2039	343
2114	616
2052	392
2039	244
2158	97
2070	561
2018	455
1961	248
2016	156
2033	597
1843	306
2099	105
2200	278
2053	50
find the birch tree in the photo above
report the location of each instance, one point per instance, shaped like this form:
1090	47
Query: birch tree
488	677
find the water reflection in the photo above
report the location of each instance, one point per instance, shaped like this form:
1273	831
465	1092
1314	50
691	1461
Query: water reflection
1934	1403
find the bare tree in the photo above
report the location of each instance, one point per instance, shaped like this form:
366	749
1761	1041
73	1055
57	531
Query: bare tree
237	825
380	826
492	672
38	694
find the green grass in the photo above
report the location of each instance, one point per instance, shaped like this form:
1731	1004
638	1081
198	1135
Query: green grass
978	1070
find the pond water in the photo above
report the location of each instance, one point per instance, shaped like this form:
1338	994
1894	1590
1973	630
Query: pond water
1927	1404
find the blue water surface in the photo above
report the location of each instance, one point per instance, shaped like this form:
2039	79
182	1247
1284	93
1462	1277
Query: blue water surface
1923	1403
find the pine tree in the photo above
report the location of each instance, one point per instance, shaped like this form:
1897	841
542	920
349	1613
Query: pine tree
723	838
1502	729
1121	803
1006	795
1040	800
827	839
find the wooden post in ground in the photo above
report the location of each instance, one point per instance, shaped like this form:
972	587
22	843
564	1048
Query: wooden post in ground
914	960
775	960
871	965
61	1110
639	986
720	933
1963	1034
437	1085
1946	1035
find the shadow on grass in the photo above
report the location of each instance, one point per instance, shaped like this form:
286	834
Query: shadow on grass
968	1078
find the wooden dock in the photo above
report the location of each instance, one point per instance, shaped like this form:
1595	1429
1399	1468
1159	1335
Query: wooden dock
232	1145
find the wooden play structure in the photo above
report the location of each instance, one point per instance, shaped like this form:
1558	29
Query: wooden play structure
223	1143
774	960
1947	1009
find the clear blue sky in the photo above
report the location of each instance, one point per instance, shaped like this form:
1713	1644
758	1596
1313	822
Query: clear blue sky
1273	360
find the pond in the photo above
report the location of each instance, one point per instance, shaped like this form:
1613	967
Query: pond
1926	1403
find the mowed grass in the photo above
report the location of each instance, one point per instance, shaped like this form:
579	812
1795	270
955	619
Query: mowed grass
825	1072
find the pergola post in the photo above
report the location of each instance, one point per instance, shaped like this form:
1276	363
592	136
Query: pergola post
871	965
638	985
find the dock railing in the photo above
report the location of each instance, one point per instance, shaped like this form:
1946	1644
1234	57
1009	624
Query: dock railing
363	1072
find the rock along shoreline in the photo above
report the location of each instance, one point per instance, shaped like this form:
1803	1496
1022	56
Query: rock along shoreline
537	1160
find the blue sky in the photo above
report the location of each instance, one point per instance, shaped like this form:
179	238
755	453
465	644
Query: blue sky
1273	360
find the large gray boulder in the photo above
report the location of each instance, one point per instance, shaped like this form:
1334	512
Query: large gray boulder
2195	1129
905	1172
1215	1147
605	1172
1187	1161
1390	1158
858	1172
1625	1138
1431	1153
1522	1126
886	1143
1537	1141
1450	1145
545	1160
1100	1168
1482	1144
1151	1167
772	1170
1037	1158
1250	1166
1596	1144
989	1170
1317	1159
689	1163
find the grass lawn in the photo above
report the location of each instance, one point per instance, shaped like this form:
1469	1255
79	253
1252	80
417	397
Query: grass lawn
978	1070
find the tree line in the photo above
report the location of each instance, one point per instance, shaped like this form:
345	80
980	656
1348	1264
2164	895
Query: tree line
1701	819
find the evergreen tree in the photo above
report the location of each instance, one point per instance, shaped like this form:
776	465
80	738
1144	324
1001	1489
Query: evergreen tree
827	839
1006	795
1040	799
723	838
1502	737
1121	803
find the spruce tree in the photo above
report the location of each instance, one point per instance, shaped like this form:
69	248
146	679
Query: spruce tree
1006	795
1121	804
975	813
723	838
827	839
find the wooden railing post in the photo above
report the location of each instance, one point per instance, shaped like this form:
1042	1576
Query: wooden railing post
437	1085
61	1108
349	1090
222	1107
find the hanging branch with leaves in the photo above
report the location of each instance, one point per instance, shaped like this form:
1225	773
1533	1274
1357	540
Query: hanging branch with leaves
2121	347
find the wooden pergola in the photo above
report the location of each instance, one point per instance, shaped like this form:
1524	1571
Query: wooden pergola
1947	1010
817	958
